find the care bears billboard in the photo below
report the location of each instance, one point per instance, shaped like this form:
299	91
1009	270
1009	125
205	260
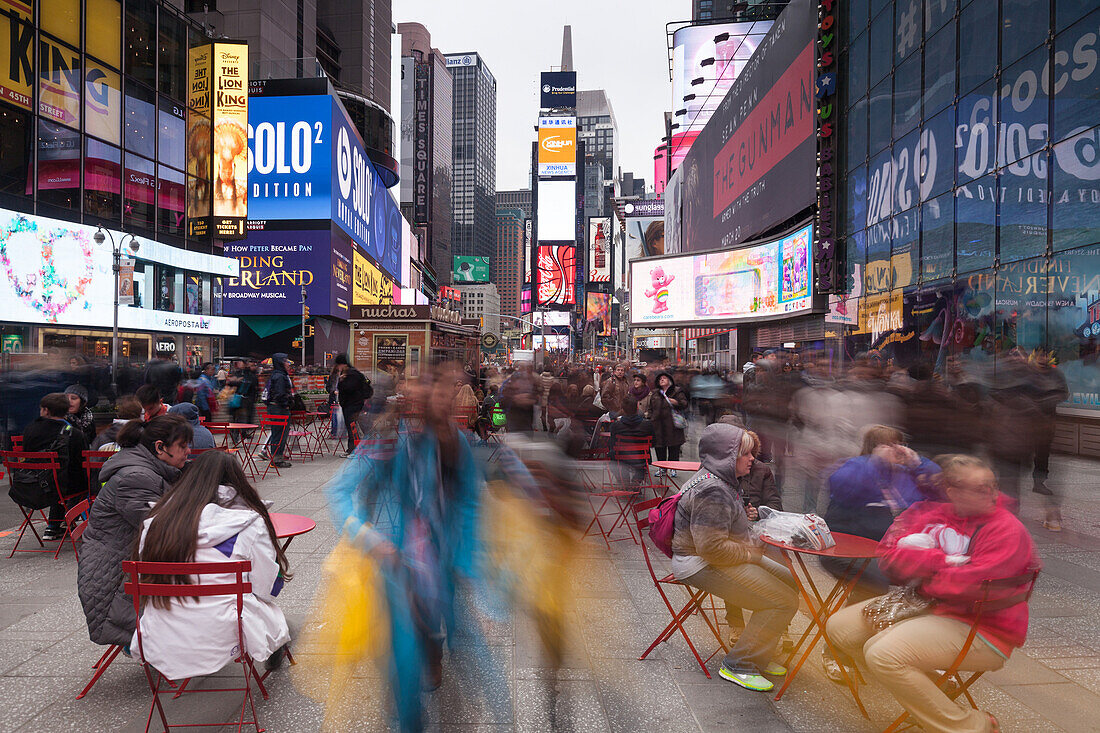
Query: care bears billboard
767	280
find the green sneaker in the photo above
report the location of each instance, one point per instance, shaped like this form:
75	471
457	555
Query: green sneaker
775	670
752	682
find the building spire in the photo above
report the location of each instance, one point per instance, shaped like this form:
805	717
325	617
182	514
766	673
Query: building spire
567	49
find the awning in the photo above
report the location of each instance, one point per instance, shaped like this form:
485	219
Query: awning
264	326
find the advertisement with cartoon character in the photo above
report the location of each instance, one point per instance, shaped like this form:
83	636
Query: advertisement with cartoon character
764	280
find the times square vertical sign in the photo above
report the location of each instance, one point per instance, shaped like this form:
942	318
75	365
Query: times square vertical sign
826	266
422	154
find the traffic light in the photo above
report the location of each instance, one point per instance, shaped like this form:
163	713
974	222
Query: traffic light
305	311
296	343
309	331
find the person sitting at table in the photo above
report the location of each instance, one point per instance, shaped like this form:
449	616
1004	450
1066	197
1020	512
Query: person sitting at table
188	637
152	405
714	551
126	408
149	461
630	424
948	549
202	439
51	432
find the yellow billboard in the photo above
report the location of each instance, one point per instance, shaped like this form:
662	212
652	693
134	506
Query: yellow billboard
230	112
557	146
370	286
16	52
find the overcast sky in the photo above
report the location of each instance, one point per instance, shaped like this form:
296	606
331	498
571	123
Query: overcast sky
618	45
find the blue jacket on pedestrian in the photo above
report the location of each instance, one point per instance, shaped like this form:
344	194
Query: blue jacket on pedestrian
863	480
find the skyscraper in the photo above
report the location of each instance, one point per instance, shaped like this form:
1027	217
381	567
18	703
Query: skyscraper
508	256
474	129
426	147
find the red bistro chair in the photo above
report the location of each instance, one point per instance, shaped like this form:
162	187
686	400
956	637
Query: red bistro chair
696	597
140	590
93	461
269	423
17	442
991	595
39	461
619	494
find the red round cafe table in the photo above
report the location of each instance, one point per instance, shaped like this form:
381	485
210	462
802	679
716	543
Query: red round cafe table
859	551
289	526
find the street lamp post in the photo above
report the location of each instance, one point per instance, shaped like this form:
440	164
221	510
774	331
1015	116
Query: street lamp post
116	252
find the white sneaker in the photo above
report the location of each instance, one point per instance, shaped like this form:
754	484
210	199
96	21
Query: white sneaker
672	472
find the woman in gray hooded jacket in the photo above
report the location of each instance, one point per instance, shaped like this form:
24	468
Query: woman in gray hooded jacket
714	551
149	462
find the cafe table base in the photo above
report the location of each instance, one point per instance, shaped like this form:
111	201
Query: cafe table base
859	551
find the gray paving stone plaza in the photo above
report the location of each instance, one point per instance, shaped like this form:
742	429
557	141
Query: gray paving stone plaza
1053	683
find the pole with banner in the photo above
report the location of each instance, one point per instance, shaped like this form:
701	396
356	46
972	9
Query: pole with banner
305	315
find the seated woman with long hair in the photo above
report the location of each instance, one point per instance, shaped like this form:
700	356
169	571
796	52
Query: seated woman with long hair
212	514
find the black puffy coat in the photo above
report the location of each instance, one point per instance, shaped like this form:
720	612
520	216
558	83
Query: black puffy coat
659	411
132	479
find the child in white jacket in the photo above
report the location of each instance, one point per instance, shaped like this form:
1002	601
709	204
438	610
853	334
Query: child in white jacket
212	514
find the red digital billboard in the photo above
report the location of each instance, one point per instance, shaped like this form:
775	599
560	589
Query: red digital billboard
557	265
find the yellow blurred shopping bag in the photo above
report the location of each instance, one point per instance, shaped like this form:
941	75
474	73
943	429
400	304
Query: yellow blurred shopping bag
347	630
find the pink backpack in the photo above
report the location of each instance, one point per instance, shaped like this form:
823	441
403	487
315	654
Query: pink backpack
663	516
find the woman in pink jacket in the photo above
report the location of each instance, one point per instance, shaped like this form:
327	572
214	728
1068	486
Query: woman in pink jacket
948	549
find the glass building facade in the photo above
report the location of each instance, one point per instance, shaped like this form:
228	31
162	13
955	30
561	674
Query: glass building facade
93	126
971	184
474	135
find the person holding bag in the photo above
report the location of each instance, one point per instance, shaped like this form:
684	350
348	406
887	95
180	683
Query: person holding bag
944	552
664	408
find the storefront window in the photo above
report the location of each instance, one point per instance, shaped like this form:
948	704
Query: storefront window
1073	331
937	237
882	45
141	40
907	93
192	293
1068	12
171	150
857	16
60	82
1024	109
1076	190
939	70
879	116
856	130
173	57
936	14
170	200
1025	24
1023	200
165	296
15	151
139	183
857	62
103	30
976	209
102	181
976	137
61	18
58	166
103	102
140	120
1022	305
976	61
1077	89
936	162
856	205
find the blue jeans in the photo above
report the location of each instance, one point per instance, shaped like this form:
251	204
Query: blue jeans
767	589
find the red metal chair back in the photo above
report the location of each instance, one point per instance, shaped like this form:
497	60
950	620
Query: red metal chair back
93	461
77	519
38	461
17	442
140	589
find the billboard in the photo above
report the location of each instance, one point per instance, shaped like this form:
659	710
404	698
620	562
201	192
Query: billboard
753	165
557	211
230	109
557	146
276	265
558	90
527	253
56	274
557	265
307	162
696	55
597	307
471	269
645	237
16	52
765	280
599	250
370	286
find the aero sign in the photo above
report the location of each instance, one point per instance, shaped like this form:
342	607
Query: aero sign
557	146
